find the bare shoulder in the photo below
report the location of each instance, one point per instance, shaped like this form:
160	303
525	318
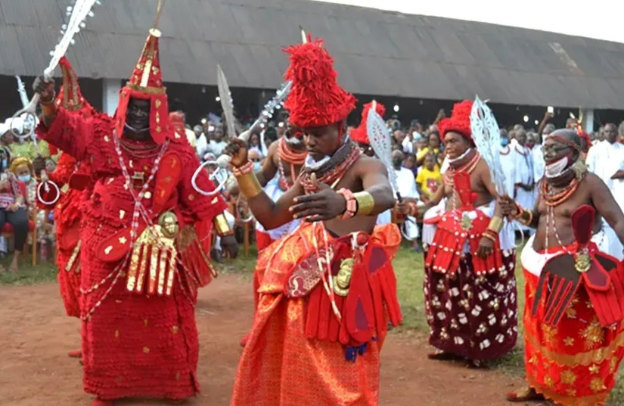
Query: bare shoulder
594	184
273	148
368	164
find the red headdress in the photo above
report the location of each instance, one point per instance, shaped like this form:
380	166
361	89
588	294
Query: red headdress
70	97
459	121
316	98
178	120
146	83
360	134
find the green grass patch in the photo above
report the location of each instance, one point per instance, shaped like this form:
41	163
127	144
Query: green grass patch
28	274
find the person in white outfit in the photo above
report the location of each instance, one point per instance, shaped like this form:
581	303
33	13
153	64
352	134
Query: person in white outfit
524	180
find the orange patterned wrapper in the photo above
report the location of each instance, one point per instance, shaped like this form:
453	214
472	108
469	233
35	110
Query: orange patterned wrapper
279	365
575	362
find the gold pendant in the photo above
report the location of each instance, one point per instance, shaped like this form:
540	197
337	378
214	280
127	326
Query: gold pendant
466	223
169	224
582	263
342	281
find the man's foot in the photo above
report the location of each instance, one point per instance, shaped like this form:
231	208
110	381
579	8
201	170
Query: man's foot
13	267
526	394
444	356
100	402
243	341
75	354
476	364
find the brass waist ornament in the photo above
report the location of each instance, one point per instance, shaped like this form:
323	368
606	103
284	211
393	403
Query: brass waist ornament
582	262
154	256
342	281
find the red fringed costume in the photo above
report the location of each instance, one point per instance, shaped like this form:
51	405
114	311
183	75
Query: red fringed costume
145	242
470	302
574	336
360	134
325	301
74	181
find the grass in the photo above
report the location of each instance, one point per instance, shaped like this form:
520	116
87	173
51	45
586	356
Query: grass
409	271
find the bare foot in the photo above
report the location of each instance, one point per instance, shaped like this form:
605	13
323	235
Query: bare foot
526	394
13	267
75	354
100	402
476	364
444	356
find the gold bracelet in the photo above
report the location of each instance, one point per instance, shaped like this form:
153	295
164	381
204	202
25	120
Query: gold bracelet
526	221
496	224
365	202
221	225
248	185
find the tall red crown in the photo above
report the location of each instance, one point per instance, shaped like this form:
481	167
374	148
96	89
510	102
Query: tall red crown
459	121
146	83
360	134
316	98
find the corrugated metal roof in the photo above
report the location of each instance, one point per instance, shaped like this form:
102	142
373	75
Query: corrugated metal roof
377	53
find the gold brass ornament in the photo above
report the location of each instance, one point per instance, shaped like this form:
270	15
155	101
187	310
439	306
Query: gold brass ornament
582	263
342	280
169	224
466	223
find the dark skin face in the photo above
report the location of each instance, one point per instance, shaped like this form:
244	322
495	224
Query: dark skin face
397	159
138	117
254	140
322	141
591	190
430	162
610	133
521	137
456	144
434	141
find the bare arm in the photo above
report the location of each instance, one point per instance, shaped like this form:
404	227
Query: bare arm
269	169
606	205
274	214
375	181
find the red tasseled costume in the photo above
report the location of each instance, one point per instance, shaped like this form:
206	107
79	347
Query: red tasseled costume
67	210
459	121
316	99
360	134
135	344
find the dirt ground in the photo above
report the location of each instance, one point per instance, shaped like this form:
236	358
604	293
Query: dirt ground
35	336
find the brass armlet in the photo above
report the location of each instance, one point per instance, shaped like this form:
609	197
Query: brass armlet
526	217
221	225
365	202
496	224
248	185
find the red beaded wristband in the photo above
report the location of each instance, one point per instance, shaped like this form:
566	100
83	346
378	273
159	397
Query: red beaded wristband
351	204
243	170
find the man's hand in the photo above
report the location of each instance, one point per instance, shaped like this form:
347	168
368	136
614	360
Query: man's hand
12	208
237	149
45	88
508	206
230	245
323	205
39	165
403	208
486	246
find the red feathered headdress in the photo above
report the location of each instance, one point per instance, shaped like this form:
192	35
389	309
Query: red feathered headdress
360	134
146	83
316	99
459	121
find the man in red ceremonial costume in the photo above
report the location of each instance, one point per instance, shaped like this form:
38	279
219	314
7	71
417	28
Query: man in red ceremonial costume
145	235
327	289
73	179
360	134
470	287
573	331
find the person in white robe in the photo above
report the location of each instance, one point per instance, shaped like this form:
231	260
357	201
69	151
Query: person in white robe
606	160
407	189
524	179
508	164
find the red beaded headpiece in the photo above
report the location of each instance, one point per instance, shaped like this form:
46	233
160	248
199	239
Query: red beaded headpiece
459	121
146	83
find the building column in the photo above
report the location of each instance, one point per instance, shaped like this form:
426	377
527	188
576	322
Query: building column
587	118
110	94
